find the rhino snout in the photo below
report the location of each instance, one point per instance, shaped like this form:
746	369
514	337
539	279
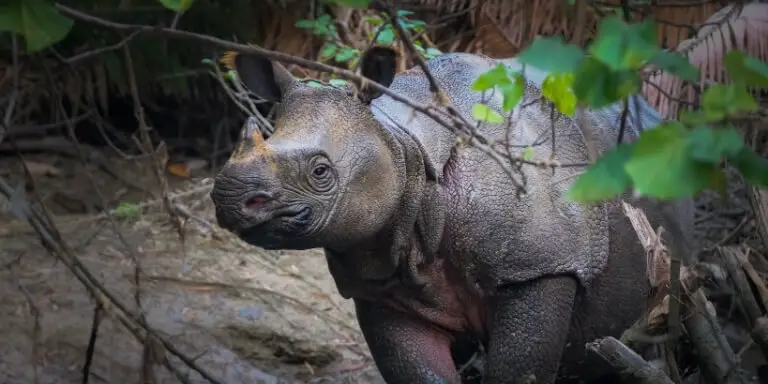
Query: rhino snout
258	212
240	203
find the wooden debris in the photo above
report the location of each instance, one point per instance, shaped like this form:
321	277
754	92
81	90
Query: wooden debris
628	362
731	257
716	358
760	334
759	199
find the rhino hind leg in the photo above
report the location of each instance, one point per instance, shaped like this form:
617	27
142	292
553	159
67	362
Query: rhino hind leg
529	330
406	349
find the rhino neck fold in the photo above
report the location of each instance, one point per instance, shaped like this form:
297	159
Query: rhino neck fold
374	266
395	255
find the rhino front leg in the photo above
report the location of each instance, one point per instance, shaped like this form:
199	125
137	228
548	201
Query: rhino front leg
529	330
406	349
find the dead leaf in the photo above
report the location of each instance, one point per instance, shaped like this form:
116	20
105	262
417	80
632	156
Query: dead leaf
179	169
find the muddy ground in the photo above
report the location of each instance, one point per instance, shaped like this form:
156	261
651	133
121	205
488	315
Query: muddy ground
245	314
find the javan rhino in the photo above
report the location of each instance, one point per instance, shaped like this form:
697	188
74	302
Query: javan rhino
429	257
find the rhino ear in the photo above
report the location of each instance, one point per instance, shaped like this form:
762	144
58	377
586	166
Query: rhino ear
266	78
378	64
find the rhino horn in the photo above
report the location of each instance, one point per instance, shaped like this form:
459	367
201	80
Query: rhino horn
266	78
252	143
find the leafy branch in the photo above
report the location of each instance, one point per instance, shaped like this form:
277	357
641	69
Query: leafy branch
334	49
672	160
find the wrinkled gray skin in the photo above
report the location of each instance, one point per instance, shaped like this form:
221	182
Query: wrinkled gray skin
430	257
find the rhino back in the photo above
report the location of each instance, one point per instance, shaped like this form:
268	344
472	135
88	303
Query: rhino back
455	73
495	237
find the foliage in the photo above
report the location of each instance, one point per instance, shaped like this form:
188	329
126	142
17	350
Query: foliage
511	86
177	5
163	67
672	160
126	210
36	20
383	34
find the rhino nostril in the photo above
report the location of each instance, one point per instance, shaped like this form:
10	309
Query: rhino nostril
256	200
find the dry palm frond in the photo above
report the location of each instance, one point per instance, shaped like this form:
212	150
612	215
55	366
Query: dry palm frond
520	21
730	28
490	39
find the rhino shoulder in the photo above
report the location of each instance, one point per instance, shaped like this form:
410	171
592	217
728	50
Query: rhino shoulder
455	73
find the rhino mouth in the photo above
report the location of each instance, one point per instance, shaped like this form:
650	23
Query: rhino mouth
281	230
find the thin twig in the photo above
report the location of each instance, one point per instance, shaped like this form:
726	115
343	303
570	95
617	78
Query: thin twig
95	323
159	162
100	51
7	118
53	242
132	251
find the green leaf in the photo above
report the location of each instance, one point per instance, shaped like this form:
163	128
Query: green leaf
337	82
512	92
346	54
37	20
314	84
413	24
305	24
511	84
528	153
126	210
597	85
230	75
661	164
176	5
353	3
433	52
711	145
552	54
482	112
752	166
696	117
720	101
624	46
491	78
676	64
375	20
386	36
605	178
329	50
745	69
558	89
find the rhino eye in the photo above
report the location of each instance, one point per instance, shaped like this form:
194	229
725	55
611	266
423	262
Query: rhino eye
321	177
320	170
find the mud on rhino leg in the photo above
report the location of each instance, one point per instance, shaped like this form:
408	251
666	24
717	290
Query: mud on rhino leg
406	349
529	330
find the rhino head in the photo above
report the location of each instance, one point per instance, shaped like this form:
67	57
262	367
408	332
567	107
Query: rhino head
287	191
